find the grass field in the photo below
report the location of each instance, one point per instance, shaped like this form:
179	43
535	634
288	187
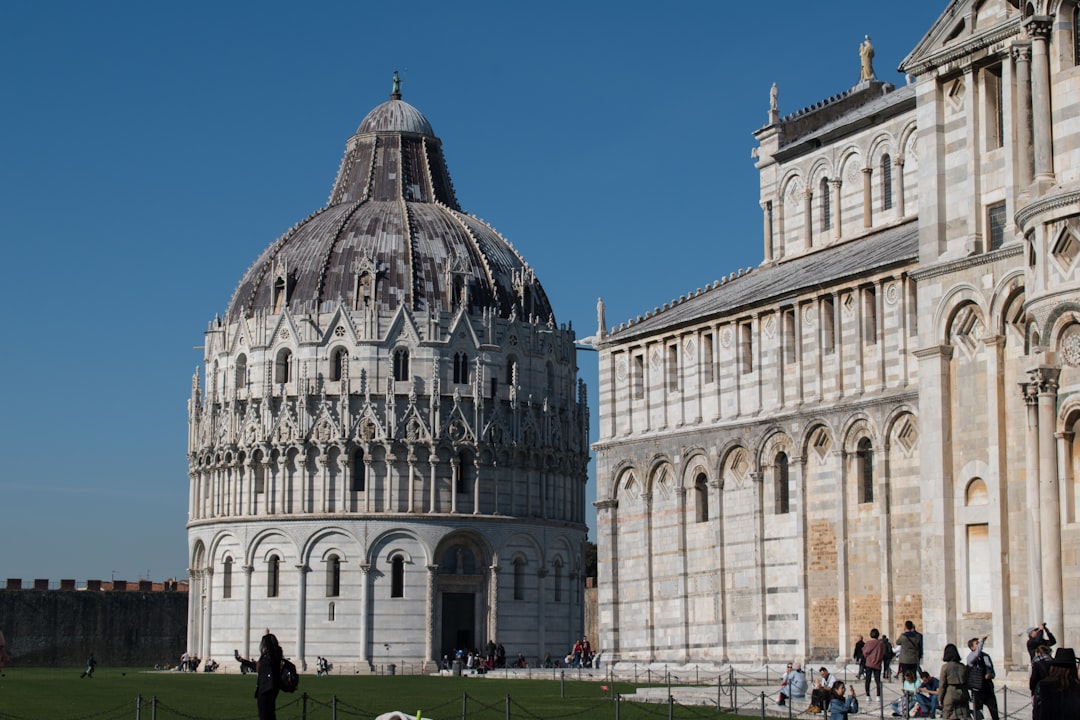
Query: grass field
39	694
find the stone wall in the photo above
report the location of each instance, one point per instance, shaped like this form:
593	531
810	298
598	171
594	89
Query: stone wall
58	628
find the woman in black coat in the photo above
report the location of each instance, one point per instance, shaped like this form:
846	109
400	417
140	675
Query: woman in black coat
268	671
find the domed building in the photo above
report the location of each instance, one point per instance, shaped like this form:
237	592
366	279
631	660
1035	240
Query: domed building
388	452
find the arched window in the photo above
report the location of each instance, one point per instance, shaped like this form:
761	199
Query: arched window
331	613
226	579
461	368
511	366
401	364
519	579
241	372
886	182
397	577
273	576
338	360
333	576
358	468
701	496
279	295
826	206
783	492
283	367
864	469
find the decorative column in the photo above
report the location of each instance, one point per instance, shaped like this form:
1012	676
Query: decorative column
607	548
433	463
345	473
1039	28
541	607
898	188
766	210
476	483
1049	498
808	218
455	473
300	483
650	587
429	616
1022	58
194	609
493	600
282	480
835	199
867	198
249	570
324	480
208	610
411	460
268	486
301	611
369	480
365	601
1031	472
388	494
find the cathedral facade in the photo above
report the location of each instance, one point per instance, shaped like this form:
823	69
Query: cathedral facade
388	446
875	424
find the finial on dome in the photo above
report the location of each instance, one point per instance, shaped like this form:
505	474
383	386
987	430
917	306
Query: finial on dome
395	94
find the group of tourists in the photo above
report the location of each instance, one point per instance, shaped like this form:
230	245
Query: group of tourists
963	690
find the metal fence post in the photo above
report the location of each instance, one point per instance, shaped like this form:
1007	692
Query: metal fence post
138	707
464	704
507	706
333	707
618	702
762	706
670	706
303	706
153	707
562	684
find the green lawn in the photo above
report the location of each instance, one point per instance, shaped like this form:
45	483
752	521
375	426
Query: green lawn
38	693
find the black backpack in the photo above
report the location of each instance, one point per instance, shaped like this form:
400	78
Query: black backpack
290	678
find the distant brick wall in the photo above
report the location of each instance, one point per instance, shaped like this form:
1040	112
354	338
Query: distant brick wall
60	628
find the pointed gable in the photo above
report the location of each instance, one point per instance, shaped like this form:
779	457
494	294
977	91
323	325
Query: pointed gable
966	27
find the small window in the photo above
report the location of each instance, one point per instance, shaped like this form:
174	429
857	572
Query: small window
995	225
259	471
783	490
273	576
365	290
789	339
338	360
401	364
226	579
828	326
886	182
511	370
708	371
333	576
865	470
995	108
701	496
639	377
397	577
826	210
746	347
283	367
241	372
519	579
461	368
279	295
870	324
331	612
673	368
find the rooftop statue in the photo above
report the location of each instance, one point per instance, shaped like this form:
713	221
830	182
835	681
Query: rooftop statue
866	55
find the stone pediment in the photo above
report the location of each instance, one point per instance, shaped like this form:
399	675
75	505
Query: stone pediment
965	28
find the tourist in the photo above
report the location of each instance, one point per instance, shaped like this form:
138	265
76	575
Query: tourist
980	679
859	657
873	657
1036	638
1058	695
840	704
793	684
822	692
903	705
268	670
927	694
952	691
911	649
91	663
3	651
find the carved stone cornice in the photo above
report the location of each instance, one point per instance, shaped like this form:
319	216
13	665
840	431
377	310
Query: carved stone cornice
606	504
967	47
972	261
1039	26
1045	379
1047	204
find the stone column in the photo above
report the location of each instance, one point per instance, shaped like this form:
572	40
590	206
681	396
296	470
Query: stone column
476	483
455	470
836	219
766	209
368	480
208	610
345	475
388	484
867	198
650	587
493	600
268	486
799	508
808	218
1049	498
429	615
282	481
301	611
324	481
898	162
365	613
607	548
1031	472
249	570
433	463
541	607
938	547
1022	58
410	496
1039	28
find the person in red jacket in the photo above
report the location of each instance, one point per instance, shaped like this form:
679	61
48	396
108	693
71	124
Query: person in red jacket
874	655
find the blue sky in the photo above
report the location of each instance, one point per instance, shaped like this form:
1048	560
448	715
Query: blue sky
150	151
